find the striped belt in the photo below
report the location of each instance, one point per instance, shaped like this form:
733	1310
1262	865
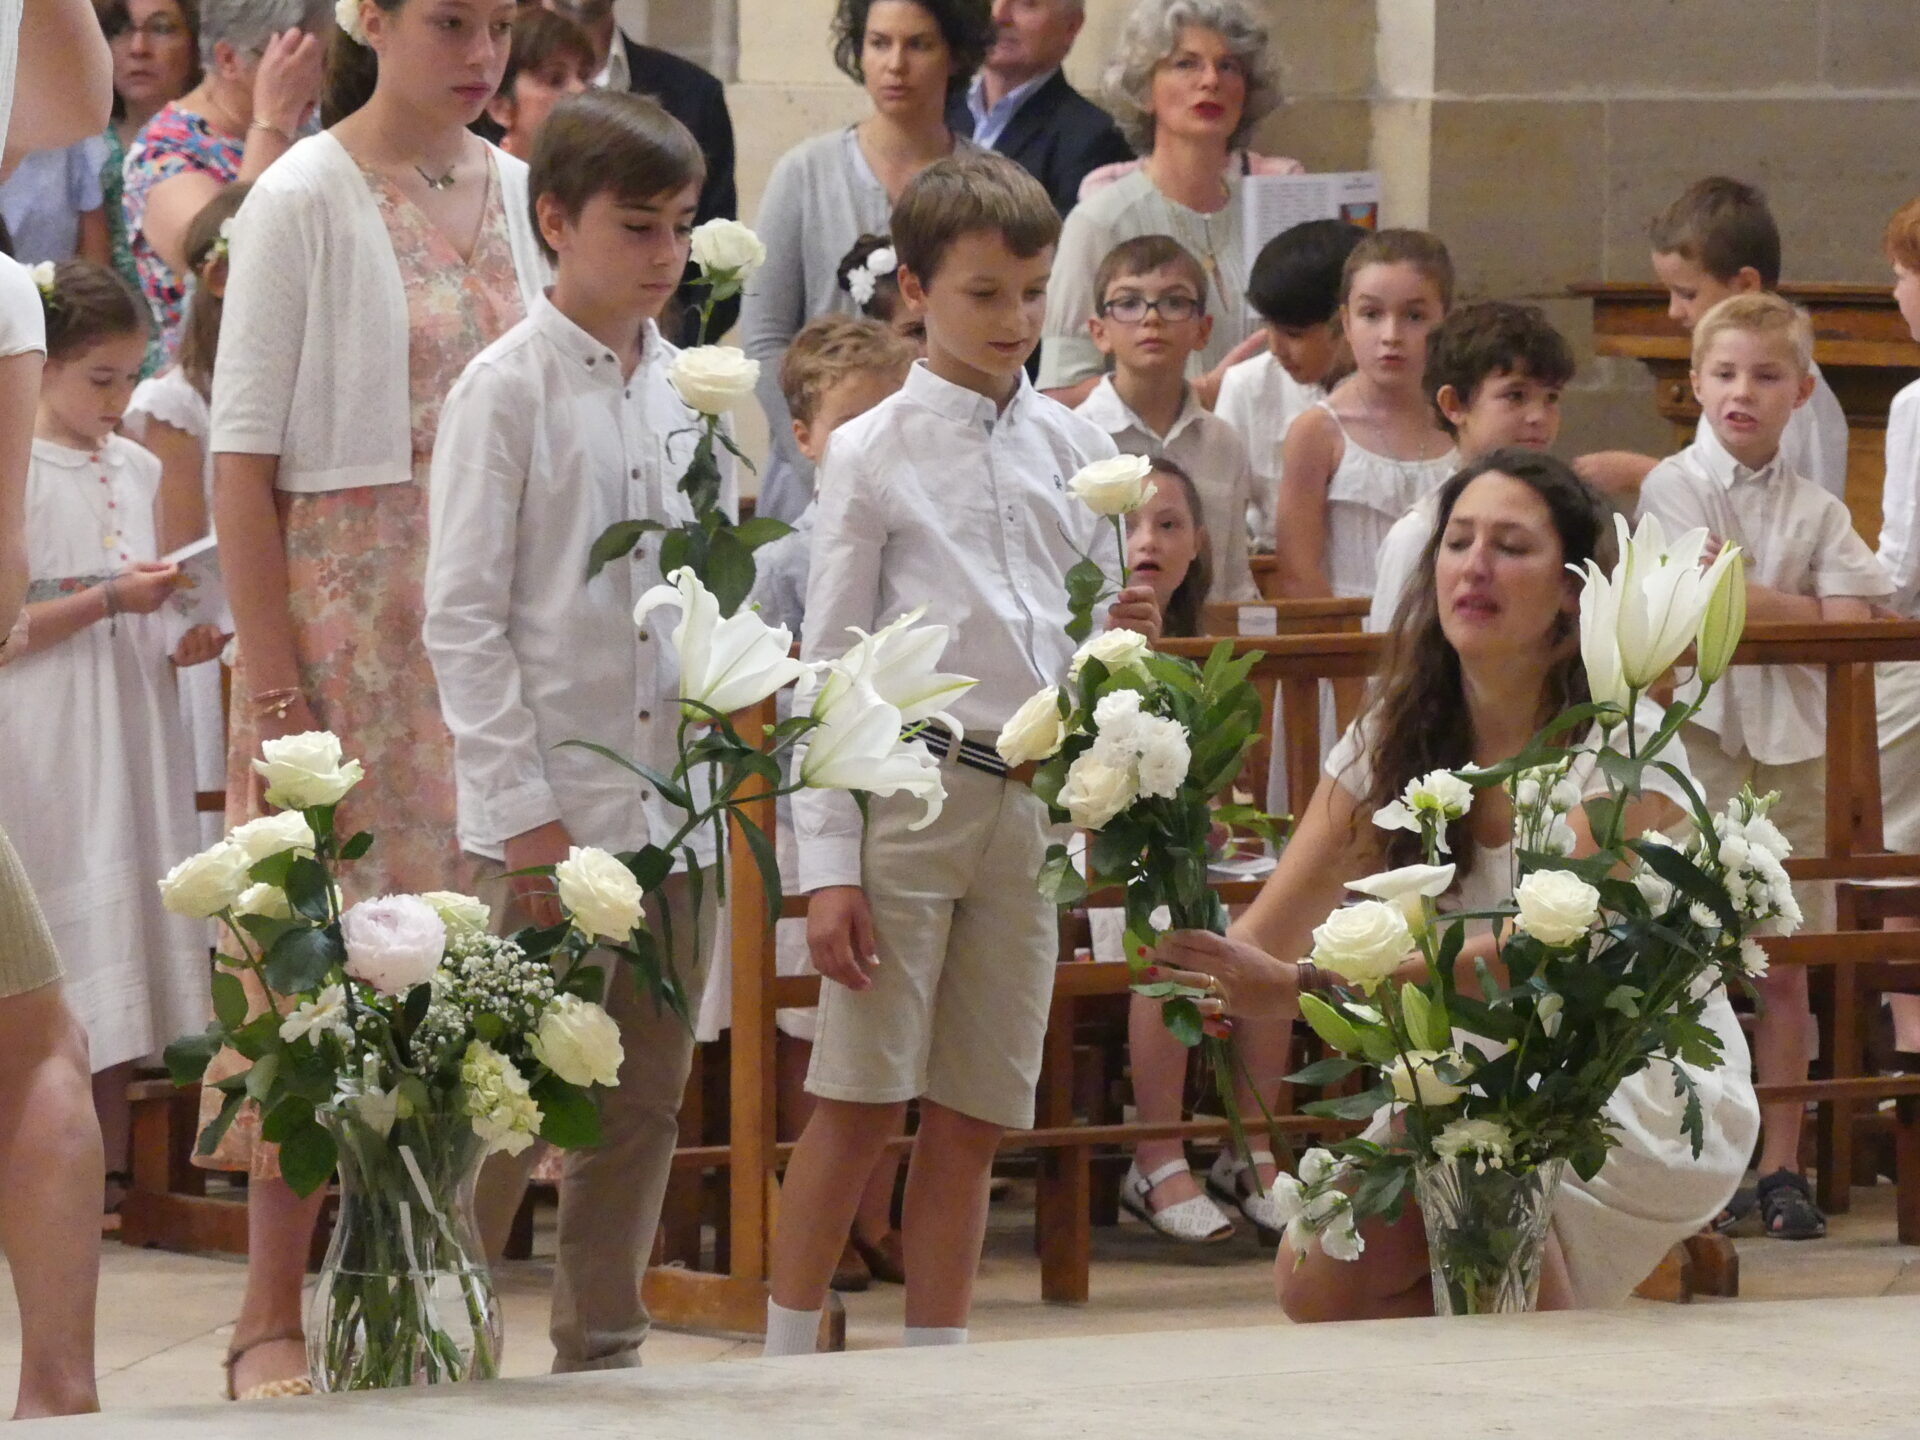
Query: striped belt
976	756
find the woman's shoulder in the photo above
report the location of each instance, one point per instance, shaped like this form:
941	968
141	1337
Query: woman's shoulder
170	398
814	155
1110	207
22	314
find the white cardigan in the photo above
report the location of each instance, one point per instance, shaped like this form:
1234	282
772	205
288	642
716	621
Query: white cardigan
313	339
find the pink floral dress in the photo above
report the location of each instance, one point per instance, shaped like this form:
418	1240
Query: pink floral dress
356	587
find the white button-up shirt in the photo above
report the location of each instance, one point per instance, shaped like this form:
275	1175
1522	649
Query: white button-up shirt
1798	539
1215	459
1815	442
931	498
1260	400
1900	501
542	445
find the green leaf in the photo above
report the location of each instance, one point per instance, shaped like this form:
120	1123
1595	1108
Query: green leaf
1351	1107
761	530
569	1117
1329	1024
229	1000
672	793
1183	1022
768	862
1426	1019
307	890
1324	1072
1060	879
287	1115
308	1157
676	550
357	846
188	1057
650	867
300	959
216	1130
729	572
273	870
616	542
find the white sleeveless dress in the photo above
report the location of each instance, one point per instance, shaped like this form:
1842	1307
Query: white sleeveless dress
1366	494
1653	1192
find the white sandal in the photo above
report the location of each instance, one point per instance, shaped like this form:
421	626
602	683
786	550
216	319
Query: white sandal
1231	1180
1193	1221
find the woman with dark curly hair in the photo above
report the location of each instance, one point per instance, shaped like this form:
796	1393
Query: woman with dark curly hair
827	192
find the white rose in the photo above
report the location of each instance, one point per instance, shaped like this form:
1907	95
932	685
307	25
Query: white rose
712	379
1118	650
461	914
1413	1073
268	901
1363	943
1557	907
1036	731
727	247
325	1014
579	1042
393	943
505	1114
600	894
272	834
1164	754
203	885
1095	791
305	770
1409	887
1114	487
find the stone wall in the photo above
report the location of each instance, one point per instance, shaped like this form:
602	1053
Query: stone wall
1537	136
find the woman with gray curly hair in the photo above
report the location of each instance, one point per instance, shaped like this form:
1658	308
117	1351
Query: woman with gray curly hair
262	62
1187	83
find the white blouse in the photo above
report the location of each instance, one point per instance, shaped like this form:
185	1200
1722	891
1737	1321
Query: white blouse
23	319
313	339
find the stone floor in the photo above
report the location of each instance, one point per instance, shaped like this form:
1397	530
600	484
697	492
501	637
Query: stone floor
164	1317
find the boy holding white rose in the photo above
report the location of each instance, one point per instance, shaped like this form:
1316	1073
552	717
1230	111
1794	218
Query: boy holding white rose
938	948
1752	369
569	422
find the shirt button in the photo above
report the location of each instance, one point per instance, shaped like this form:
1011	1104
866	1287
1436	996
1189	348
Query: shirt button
644	637
634	474
646	794
591	359
646	714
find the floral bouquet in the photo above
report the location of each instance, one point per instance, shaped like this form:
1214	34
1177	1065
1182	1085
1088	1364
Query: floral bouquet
1135	749
402	1042
1600	966
711	380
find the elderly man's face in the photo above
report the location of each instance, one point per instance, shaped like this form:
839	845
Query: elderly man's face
1032	36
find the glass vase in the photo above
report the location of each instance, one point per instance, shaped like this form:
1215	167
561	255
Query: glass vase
1486	1233
404	1296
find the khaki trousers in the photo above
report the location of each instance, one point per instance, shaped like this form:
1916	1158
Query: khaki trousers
610	1195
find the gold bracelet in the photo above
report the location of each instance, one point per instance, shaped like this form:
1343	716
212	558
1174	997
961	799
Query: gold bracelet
271	129
274	703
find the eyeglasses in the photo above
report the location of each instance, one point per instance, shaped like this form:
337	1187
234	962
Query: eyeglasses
157	28
1132	309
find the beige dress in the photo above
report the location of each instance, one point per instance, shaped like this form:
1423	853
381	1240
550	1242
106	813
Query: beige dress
356	571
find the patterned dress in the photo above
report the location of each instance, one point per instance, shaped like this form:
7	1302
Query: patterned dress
356	581
174	142
113	185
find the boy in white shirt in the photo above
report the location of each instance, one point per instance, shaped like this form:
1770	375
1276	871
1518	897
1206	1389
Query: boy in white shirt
1494	373
1149	316
937	949
1295	290
1752	357
561	427
1719	239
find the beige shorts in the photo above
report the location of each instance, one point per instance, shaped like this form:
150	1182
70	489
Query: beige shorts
967	946
1801	814
27	957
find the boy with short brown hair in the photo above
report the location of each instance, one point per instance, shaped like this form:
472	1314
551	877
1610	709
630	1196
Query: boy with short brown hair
1150	314
936	946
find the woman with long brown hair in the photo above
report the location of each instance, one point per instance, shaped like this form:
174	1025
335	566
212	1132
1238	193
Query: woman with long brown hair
1484	653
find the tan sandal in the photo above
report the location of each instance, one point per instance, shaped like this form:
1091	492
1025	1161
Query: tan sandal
271	1389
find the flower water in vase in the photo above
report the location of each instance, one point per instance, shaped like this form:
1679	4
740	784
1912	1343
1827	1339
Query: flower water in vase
404	1296
1487	1229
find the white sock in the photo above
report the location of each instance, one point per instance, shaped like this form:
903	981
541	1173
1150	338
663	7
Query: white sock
791	1332
935	1335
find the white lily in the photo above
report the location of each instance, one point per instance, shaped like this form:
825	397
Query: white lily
725	665
1600	638
1663	595
857	746
1725	618
900	662
1408	887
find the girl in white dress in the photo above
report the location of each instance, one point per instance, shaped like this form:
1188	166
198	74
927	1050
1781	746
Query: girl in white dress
101	805
1489	653
170	416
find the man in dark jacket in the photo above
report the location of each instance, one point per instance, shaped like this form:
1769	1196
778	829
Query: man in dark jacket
694	98
1021	104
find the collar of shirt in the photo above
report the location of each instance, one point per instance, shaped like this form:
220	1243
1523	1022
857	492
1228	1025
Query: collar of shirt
964	406
990	121
615	75
1727	472
1105	408
566	336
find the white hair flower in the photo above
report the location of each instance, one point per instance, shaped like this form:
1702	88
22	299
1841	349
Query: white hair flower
346	14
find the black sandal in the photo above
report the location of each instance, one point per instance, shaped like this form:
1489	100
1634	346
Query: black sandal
1787	1211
